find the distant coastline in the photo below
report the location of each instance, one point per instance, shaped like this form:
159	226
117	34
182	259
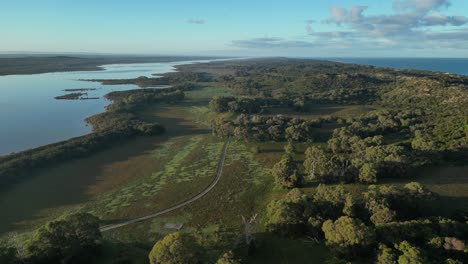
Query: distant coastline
445	65
36	65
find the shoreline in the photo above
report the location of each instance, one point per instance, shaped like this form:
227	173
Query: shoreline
117	123
27	65
173	69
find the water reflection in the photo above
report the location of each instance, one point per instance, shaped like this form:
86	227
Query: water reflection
31	117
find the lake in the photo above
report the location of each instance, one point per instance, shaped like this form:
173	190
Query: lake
31	117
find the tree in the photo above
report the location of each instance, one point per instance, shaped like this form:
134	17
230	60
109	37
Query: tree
411	254
329	201
452	261
422	141
368	173
382	214
386	255
175	248
220	104
417	190
73	237
289	148
347	236
349	207
228	258
316	162
285	172
8	255
286	216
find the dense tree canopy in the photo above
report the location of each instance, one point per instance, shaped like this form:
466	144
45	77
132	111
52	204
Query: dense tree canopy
285	172
347	236
68	240
175	248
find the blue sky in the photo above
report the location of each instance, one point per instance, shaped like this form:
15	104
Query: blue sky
360	28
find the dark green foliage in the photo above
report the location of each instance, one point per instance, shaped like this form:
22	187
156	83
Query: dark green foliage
288	216
8	255
290	149
72	239
329	201
387	203
386	255
348	237
416	231
266	128
236	105
318	163
175	248
228	258
410	254
368	173
285	172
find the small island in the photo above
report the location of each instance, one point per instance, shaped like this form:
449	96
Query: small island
75	96
79	89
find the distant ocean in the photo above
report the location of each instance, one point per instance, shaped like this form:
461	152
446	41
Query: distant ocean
451	65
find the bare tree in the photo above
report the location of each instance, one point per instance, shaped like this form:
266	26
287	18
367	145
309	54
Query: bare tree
248	228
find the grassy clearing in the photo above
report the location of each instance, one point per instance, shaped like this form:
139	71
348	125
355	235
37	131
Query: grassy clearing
206	92
449	182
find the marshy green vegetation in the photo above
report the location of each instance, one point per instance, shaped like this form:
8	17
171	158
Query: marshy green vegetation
327	162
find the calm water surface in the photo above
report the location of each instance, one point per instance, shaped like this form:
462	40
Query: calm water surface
451	65
31	117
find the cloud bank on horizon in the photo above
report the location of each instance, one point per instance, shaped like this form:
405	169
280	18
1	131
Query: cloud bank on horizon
335	28
415	24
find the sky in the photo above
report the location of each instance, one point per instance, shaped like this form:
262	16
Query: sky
296	28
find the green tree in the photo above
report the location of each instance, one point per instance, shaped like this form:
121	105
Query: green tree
349	207
386	255
290	149
411	254
220	104
329	201
382	214
316	162
452	261
75	236
422	141
347	236
368	173
286	216
175	248
285	172
228	258
417	190
8	255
